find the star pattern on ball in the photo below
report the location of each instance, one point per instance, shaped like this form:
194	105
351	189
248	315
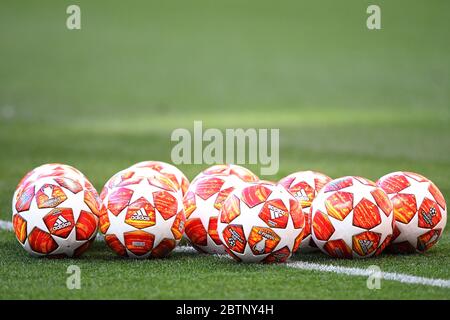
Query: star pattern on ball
68	245
249	219
344	229
418	189
161	230
360	191
118	226
52	229
34	216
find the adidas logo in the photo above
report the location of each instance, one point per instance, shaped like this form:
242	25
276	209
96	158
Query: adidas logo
366	245
301	195
61	223
140	215
428	217
276	212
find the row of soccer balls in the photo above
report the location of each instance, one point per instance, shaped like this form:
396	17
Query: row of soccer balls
145	210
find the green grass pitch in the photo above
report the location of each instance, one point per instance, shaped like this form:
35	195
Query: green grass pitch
347	101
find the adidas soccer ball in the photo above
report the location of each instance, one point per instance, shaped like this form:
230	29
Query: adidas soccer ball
55	215
419	208
203	201
304	186
142	216
351	218
175	175
261	223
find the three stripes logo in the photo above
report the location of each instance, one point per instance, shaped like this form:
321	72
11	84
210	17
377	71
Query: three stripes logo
61	223
366	245
140	215
275	212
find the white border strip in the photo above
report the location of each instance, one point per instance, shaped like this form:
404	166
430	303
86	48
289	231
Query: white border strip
392	276
6	225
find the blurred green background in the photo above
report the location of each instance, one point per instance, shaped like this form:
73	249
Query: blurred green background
347	100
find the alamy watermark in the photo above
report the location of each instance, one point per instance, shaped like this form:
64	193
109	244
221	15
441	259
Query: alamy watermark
237	146
373	22
73	21
74	280
374	280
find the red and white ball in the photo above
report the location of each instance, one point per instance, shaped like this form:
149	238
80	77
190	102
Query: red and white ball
352	218
203	201
304	186
261	223
55	212
419	208
142	216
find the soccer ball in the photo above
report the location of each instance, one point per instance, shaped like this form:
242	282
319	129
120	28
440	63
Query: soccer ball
419	209
261	223
304	186
142	216
226	170
55	215
351	218
203	201
173	173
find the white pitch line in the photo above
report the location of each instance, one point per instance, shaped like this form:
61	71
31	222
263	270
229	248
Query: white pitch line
6	225
392	276
185	249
